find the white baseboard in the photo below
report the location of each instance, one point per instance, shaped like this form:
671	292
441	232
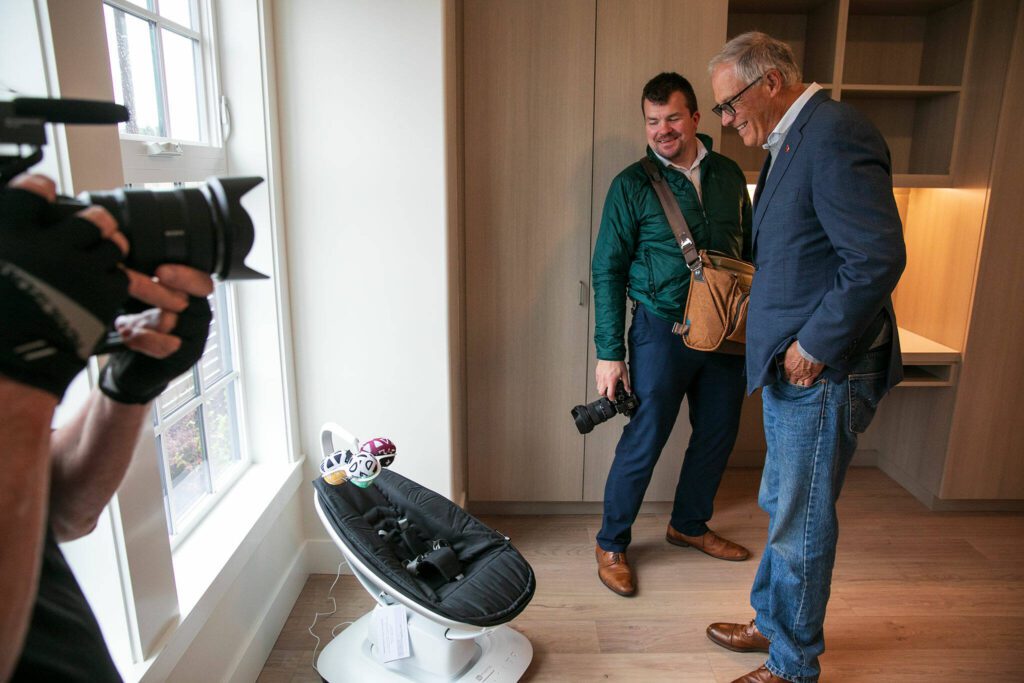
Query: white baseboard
267	629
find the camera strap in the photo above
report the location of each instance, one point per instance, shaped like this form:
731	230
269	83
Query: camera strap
676	220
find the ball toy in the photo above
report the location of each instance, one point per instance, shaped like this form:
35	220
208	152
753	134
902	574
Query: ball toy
381	448
332	468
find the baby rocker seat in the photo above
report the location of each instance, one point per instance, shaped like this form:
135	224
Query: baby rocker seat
459	581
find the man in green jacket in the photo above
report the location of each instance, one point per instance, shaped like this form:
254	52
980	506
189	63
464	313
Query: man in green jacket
637	256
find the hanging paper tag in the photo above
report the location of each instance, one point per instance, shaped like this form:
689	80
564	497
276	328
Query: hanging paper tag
390	626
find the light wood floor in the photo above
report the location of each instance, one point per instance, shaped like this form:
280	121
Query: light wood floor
917	596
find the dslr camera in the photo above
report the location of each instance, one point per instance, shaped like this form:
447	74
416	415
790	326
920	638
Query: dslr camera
205	228
603	409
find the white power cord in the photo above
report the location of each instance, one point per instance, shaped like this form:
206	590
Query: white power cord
334	608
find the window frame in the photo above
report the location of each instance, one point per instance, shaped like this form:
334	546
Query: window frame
144	158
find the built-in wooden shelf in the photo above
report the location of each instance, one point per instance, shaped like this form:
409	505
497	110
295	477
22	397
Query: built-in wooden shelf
882	90
918	350
927	363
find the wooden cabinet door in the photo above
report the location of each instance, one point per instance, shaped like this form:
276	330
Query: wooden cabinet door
636	41
528	89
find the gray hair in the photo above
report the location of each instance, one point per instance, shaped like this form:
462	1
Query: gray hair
753	54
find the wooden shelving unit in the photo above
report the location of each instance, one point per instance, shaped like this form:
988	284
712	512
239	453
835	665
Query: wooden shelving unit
901	62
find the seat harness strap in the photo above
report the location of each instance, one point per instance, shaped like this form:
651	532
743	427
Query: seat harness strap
435	558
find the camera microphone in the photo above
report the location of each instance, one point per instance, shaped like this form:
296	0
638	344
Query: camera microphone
22	119
69	111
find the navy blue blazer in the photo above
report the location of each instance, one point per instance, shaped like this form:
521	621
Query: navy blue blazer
827	245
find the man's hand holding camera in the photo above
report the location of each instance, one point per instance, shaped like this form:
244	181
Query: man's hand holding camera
608	373
60	284
163	342
64	282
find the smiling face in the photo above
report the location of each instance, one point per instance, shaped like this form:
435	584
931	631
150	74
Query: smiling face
672	129
753	117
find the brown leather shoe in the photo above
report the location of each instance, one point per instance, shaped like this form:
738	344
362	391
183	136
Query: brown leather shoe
614	572
710	543
738	637
760	675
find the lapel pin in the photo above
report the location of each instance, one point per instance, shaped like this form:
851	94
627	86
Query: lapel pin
787	148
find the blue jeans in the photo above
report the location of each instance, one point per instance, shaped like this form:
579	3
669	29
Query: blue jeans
812	435
662	371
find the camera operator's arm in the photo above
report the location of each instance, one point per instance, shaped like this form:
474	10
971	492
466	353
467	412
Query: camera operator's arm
614	252
60	285
92	453
24	436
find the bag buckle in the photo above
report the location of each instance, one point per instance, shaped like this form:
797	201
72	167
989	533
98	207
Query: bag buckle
696	266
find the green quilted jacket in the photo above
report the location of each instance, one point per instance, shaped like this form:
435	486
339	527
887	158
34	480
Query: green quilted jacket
636	254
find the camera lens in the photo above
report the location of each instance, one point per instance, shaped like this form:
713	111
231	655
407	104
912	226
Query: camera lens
205	227
582	418
592	414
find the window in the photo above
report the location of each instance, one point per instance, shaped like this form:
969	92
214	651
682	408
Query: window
197	423
156	60
162	68
159	58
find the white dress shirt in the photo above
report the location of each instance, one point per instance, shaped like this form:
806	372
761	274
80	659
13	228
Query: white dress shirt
693	172
776	137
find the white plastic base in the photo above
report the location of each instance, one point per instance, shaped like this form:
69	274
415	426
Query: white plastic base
497	656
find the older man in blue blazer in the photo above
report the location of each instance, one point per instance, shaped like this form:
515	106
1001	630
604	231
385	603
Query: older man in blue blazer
822	340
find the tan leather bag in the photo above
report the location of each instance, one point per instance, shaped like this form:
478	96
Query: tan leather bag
716	307
715	318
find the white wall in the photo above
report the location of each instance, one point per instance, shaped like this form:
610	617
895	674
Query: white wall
362	130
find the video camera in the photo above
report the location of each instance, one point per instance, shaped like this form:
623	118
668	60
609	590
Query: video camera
205	227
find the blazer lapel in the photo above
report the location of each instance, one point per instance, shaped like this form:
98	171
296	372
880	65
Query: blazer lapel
761	178
757	196
786	154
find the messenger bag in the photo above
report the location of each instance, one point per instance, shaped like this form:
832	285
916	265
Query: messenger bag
715	318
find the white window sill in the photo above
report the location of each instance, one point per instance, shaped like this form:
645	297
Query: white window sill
211	558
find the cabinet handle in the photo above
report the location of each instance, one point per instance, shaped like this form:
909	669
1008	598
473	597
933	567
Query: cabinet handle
583	293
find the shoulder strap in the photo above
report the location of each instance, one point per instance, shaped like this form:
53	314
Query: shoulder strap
670	205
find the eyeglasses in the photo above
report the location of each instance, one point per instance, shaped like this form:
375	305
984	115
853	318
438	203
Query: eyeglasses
727	106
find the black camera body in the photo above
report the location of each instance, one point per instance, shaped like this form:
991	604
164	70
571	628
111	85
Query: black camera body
603	409
205	228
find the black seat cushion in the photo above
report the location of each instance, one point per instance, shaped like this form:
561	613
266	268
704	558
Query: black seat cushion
497	582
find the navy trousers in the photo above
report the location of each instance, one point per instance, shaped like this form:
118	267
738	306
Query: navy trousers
662	371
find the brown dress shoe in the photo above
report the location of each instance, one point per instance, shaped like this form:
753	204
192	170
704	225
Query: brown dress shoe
614	572
760	675
710	543
738	637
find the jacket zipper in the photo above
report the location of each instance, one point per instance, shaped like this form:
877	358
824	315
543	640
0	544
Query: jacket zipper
650	275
